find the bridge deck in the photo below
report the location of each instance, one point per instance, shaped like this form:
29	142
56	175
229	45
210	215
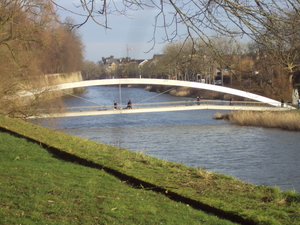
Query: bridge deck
163	109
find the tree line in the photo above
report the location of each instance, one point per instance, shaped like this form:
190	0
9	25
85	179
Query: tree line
241	66
33	43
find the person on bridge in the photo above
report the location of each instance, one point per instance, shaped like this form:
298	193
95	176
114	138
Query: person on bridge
129	104
198	100
115	105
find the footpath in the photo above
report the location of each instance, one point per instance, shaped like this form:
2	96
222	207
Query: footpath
218	194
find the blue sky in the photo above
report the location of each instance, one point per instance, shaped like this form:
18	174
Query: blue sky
136	32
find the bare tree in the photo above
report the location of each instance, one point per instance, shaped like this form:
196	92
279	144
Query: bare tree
201	18
27	40
265	22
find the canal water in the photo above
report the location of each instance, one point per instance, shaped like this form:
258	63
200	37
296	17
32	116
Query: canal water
257	155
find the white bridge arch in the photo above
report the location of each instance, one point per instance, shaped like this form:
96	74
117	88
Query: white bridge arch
147	81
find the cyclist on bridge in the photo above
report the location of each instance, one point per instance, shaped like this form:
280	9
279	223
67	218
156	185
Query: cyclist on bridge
115	105
129	104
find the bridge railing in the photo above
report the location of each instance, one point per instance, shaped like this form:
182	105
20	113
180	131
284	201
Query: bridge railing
172	104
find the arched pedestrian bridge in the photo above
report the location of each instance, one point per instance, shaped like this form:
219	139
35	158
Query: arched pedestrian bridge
147	81
127	81
261	102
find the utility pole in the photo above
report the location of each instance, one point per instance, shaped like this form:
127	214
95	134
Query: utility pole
127	48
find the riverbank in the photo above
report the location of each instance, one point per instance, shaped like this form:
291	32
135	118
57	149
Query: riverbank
286	120
219	194
37	188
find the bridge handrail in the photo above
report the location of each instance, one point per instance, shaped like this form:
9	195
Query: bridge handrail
176	103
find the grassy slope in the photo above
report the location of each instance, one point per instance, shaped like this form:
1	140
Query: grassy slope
262	205
36	188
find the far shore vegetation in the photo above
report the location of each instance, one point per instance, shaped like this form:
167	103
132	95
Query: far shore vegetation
286	120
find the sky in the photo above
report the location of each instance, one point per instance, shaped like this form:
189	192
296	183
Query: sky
135	32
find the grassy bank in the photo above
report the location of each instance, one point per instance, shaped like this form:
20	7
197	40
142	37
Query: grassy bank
37	188
215	193
287	120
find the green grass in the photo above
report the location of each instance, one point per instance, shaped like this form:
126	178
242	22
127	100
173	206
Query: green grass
36	188
257	204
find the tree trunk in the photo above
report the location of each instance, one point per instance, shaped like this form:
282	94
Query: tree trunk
295	93
295	96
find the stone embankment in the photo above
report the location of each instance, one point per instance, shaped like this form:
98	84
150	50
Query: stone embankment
49	80
60	78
